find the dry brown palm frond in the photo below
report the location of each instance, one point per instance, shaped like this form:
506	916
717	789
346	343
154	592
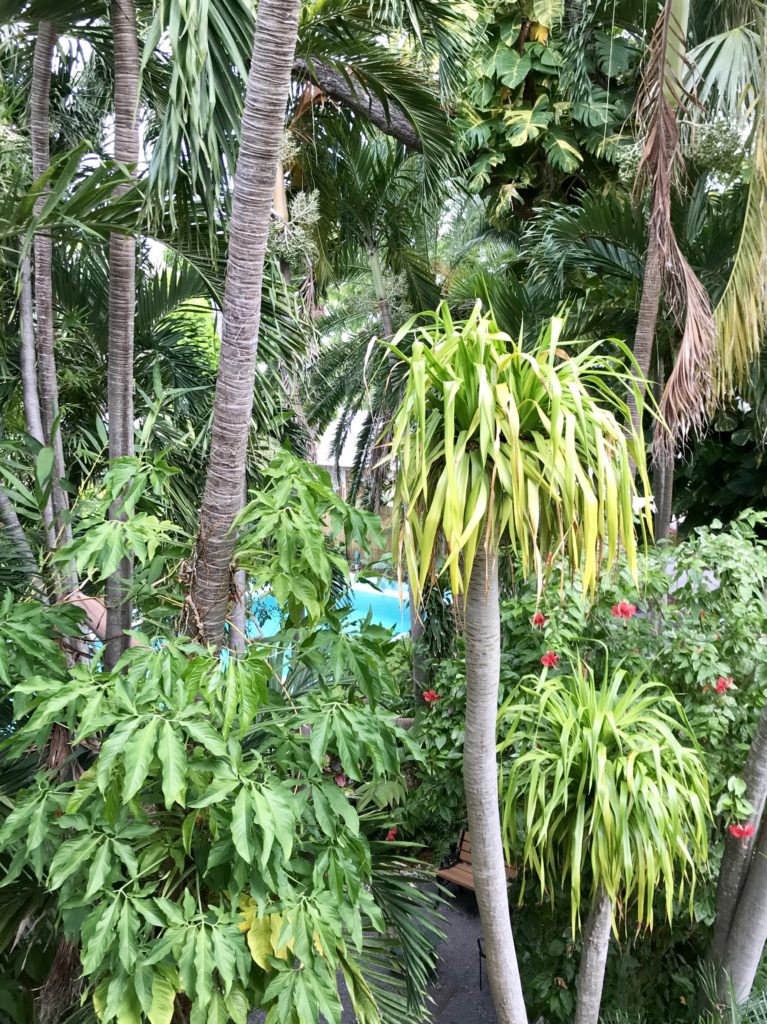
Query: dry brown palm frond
661	99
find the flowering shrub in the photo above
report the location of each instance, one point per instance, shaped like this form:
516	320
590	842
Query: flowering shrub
698	624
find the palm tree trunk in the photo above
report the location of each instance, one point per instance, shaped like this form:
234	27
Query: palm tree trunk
9	521
416	635
591	973
664	469
738	855
262	127
652	284
380	290
43	250
28	365
480	772
122	310
748	931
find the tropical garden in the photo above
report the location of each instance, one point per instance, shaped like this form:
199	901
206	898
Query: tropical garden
512	256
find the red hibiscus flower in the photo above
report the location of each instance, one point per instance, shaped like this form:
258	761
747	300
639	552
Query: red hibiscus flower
550	659
742	831
431	696
723	685
391	835
539	620
624	610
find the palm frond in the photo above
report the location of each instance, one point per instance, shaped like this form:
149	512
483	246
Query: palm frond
689	387
741	313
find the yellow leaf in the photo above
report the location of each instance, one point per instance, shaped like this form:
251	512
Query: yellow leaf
260	941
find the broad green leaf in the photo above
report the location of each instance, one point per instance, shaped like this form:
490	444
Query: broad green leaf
172	754
242	815
139	752
100	869
163	999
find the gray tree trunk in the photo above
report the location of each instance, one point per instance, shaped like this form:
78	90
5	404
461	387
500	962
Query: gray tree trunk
262	127
482	636
122	310
591	972
748	931
738	855
416	635
43	250
652	284
28	366
664	472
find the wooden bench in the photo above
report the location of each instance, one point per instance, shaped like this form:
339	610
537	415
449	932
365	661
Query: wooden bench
461	872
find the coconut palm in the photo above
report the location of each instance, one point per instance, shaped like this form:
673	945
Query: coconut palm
609	793
497	447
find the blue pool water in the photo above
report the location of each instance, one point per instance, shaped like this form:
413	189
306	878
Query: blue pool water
382	601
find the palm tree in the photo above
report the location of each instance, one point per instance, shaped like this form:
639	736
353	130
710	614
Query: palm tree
604	776
122	306
43	287
260	134
497	446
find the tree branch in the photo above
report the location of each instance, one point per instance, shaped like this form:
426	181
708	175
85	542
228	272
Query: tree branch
389	118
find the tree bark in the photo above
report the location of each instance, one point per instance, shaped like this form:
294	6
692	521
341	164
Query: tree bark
390	119
416	635
262	127
748	931
652	284
43	251
738	855
664	472
591	973
483	662
28	366
122	310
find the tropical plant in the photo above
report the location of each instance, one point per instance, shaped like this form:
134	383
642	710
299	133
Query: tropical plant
260	134
122	305
194	871
609	794
497	446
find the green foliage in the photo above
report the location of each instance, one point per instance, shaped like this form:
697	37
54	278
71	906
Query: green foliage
207	848
495	443
286	536
546	100
604	781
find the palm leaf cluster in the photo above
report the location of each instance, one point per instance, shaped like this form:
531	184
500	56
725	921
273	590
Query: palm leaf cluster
604	785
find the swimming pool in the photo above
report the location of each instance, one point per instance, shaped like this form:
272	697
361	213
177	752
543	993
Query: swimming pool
381	601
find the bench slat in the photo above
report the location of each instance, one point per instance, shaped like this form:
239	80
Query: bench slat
462	873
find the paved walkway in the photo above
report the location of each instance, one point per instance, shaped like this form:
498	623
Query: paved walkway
456	994
456	997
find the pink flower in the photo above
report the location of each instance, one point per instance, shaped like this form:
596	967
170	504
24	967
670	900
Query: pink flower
431	696
723	685
550	659
624	610
340	780
539	620
391	835
742	831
